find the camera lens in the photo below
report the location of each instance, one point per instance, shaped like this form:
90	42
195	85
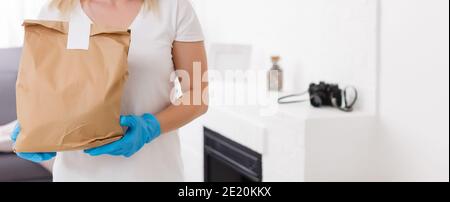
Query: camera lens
316	101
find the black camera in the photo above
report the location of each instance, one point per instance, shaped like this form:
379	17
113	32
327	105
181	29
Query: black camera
324	94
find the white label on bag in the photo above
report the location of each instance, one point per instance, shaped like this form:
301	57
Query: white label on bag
79	34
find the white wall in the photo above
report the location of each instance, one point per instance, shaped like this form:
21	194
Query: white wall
12	15
414	87
317	39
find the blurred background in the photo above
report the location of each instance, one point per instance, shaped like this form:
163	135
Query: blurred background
395	52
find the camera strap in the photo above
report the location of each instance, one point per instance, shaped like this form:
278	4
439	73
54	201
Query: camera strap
285	99
347	106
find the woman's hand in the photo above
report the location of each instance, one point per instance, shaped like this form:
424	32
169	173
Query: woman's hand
35	157
141	130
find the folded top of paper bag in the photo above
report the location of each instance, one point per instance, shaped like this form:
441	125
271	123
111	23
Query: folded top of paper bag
63	27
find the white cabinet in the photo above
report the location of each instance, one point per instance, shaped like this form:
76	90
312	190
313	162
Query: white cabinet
297	144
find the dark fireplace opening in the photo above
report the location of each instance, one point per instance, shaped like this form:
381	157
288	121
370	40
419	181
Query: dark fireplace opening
229	161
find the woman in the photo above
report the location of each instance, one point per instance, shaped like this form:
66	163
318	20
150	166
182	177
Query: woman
166	36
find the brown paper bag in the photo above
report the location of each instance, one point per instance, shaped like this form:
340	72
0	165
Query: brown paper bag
70	99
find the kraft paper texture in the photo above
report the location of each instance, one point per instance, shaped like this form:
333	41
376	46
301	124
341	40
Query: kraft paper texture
70	99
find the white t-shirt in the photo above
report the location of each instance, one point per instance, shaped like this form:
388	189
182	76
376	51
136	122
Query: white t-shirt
148	90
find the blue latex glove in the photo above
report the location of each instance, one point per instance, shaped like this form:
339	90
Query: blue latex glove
141	130
35	157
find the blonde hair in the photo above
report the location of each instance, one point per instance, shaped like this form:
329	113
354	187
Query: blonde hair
65	6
